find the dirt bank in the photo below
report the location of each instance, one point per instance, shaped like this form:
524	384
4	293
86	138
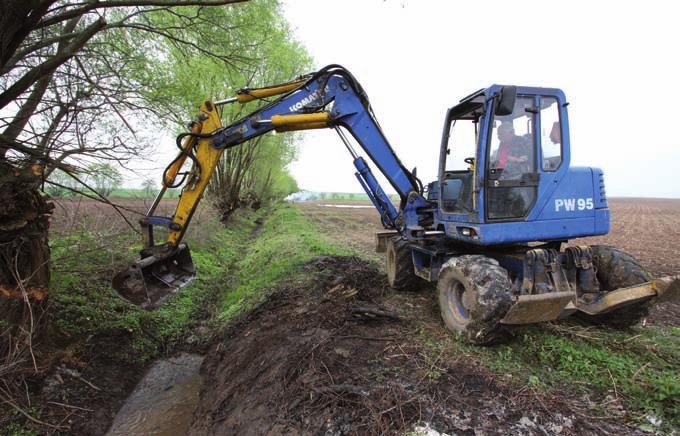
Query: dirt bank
342	355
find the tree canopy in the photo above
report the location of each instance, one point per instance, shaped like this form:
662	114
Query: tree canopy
89	82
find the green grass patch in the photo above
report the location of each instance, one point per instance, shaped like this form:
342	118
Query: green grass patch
237	267
286	240
142	193
343	196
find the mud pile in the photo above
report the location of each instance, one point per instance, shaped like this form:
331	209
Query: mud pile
336	356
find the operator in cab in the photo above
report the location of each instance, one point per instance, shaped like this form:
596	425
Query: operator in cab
514	152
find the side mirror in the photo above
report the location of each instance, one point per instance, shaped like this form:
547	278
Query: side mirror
506	101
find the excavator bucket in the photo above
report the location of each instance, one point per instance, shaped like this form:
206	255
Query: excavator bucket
153	279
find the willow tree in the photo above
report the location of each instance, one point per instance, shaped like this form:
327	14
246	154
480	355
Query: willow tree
257	167
79	86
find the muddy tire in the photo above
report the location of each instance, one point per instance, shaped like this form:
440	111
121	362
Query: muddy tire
474	295
617	269
399	266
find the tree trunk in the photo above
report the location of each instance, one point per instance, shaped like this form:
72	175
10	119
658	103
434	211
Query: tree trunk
24	249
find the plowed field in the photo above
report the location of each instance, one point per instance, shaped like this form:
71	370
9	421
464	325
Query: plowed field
649	229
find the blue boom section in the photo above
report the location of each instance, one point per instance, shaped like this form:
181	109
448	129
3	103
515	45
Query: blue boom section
337	93
388	213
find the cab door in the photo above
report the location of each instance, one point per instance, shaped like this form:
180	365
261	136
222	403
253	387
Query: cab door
511	170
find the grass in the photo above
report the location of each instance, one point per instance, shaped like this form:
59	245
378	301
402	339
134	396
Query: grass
286	240
638	369
141	193
237	268
345	196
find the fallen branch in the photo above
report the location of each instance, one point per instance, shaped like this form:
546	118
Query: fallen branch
6	400
341	388
70	406
374	313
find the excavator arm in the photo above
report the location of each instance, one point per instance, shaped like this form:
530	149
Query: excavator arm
328	98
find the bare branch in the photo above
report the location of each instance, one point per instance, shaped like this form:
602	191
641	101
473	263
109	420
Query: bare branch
51	64
90	6
17	20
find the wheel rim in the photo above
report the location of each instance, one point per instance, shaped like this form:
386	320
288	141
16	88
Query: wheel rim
456	303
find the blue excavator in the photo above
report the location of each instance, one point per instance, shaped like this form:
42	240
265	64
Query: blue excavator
492	231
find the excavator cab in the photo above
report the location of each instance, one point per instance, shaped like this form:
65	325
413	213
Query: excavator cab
505	167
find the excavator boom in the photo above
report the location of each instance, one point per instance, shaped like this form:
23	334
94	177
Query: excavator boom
329	98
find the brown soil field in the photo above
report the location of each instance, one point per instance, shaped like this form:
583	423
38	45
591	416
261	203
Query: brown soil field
647	228
73	216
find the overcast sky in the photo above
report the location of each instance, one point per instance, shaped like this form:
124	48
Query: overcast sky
616	62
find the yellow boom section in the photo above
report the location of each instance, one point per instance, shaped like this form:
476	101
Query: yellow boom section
287	123
247	95
207	156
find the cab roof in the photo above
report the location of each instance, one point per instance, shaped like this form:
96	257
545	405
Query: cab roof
472	105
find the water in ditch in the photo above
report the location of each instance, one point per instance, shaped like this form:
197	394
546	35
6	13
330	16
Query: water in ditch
163	402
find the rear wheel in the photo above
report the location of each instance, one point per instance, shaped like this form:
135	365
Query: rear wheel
617	269
399	266
474	295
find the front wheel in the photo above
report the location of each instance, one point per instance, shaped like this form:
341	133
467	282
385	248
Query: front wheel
399	266
474	295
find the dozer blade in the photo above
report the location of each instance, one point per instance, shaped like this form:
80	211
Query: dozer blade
663	289
550	306
153	279
529	309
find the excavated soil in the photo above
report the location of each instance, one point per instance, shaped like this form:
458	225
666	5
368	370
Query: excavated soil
337	357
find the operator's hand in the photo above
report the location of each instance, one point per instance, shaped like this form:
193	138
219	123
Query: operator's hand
520	159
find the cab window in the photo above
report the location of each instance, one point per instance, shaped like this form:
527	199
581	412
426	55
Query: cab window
551	136
462	144
512	142
457	178
511	171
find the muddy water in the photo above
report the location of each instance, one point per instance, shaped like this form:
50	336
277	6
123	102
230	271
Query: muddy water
164	401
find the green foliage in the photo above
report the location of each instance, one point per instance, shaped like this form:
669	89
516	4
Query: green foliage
66	182
84	304
150	188
13	429
264	53
258	42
